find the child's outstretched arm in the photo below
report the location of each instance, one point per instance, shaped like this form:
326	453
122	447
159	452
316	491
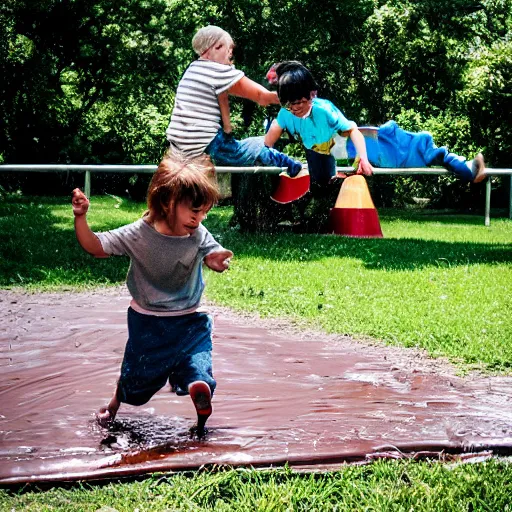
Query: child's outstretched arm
364	167
246	88
224	112
273	134
86	238
219	260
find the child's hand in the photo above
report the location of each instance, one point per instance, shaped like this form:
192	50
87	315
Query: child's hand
364	167
218	261
79	202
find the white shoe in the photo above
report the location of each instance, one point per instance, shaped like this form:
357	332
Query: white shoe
478	168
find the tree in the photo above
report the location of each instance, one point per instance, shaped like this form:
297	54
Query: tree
487	97
102	53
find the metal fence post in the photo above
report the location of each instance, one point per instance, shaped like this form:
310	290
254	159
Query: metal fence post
488	202
510	199
87	185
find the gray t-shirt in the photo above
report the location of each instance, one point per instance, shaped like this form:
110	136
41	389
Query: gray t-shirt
165	271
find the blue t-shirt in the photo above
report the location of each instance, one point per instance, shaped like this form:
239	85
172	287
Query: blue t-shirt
317	130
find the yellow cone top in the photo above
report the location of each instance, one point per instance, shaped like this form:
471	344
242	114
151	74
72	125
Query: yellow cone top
354	193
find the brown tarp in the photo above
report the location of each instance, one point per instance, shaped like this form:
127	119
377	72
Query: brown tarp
305	398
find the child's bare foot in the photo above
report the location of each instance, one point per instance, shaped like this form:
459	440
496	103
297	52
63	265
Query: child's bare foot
478	168
202	398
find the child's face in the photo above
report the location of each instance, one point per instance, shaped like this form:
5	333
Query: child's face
186	218
299	108
221	52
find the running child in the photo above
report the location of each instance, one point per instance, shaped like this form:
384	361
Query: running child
167	336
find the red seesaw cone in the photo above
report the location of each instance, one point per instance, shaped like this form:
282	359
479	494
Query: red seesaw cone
354	213
290	189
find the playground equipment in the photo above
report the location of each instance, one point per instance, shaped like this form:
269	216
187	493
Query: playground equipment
290	189
89	169
354	213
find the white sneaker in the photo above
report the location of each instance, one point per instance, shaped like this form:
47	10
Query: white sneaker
478	168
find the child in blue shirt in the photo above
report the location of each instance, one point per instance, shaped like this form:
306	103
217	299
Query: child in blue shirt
316	122
313	121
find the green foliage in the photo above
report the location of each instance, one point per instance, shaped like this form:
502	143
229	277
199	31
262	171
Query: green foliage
414	55
104	57
487	97
100	87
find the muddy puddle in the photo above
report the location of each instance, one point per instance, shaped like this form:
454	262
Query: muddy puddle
282	396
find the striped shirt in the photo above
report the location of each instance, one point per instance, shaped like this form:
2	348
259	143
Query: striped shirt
196	115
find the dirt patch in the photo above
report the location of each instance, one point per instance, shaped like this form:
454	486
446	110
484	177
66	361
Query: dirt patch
400	358
411	360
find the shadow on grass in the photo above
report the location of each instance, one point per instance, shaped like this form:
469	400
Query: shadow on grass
383	254
439	216
38	246
375	253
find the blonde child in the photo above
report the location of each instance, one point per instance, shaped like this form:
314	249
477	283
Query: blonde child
200	121
167	335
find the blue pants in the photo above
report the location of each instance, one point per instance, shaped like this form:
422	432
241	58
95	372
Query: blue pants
224	149
396	148
321	167
163	348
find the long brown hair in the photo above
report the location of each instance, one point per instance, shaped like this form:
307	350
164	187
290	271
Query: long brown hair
179	179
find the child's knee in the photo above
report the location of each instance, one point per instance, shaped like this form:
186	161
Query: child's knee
133	397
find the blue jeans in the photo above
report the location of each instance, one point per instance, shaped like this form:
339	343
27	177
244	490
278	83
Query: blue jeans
224	149
321	167
163	348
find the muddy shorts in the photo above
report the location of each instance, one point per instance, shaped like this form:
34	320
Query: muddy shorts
163	348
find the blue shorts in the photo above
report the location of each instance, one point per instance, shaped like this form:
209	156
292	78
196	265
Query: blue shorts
165	348
321	167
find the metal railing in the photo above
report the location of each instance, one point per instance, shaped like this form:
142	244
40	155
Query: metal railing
150	169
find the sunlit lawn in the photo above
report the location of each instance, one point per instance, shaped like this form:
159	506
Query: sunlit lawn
438	281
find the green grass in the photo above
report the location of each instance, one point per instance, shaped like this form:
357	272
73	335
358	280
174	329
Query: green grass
382	486
437	281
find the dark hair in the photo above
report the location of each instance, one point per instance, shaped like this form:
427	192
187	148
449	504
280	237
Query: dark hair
179	179
294	81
